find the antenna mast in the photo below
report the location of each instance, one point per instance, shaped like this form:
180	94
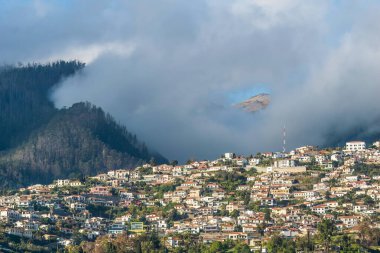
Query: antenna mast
284	139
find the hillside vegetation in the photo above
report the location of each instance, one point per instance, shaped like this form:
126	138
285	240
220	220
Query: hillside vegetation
40	143
24	103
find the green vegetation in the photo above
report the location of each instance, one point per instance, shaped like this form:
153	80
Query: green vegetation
24	102
305	182
40	143
146	170
281	245
327	239
266	162
150	243
16	244
367	169
105	211
326	230
159	190
228	180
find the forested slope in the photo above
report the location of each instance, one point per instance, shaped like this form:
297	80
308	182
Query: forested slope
40	143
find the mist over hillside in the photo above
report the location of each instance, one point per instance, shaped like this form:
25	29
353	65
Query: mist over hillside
166	70
40	143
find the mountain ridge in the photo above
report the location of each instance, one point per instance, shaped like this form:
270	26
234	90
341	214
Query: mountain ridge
254	103
81	140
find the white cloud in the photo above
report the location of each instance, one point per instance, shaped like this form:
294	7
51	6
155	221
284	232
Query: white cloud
165	68
41	8
265	14
90	53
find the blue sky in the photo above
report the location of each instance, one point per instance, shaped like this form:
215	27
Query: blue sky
241	95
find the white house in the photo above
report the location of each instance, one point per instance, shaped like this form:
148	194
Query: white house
355	145
283	163
229	156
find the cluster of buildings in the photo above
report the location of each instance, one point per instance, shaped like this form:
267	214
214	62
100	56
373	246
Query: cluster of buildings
233	197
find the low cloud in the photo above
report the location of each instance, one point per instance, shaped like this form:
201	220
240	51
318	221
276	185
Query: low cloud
166	69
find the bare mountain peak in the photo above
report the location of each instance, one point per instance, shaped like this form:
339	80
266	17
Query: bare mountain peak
255	103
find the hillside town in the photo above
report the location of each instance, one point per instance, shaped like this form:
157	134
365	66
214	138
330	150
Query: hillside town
309	199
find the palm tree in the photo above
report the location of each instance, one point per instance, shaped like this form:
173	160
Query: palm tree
326	230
